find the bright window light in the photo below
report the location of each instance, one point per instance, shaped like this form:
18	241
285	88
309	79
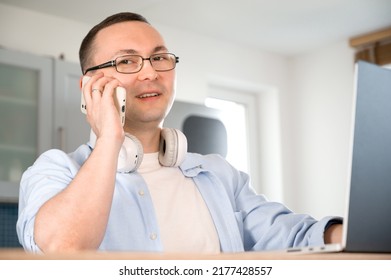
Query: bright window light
234	118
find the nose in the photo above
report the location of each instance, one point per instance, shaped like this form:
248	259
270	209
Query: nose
147	72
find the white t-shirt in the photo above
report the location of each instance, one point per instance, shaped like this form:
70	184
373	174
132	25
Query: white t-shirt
184	220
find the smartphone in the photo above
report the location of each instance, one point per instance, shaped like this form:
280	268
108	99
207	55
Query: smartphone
119	100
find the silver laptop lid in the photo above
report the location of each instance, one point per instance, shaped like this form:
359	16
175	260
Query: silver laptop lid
368	223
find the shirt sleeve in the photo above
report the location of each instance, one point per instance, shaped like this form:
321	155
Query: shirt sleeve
51	173
271	225
264	224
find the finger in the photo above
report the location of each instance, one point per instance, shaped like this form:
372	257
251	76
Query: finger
105	84
87	86
102	100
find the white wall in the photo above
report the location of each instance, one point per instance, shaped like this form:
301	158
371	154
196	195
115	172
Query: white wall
319	108
304	102
40	33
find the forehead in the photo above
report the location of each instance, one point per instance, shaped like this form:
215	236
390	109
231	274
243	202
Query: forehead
140	37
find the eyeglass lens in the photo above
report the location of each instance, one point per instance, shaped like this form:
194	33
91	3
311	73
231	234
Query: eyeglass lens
134	63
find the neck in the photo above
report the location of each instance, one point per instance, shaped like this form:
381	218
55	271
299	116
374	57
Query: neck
148	136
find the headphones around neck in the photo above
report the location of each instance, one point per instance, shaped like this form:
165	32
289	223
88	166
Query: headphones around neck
172	150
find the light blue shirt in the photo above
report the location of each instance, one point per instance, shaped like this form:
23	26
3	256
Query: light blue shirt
244	221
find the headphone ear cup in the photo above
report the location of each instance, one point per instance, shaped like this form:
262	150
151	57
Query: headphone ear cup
92	139
173	147
130	155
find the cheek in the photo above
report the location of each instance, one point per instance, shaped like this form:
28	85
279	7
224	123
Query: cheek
127	80
169	81
171	93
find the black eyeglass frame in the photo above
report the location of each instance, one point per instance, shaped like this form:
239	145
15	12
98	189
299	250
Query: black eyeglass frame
112	63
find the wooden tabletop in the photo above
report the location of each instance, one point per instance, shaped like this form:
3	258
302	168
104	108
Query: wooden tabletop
19	254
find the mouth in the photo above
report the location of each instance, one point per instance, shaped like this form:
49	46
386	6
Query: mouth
148	95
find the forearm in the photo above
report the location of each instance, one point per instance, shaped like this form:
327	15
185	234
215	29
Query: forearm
76	218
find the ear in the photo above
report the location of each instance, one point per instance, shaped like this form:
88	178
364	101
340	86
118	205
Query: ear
81	82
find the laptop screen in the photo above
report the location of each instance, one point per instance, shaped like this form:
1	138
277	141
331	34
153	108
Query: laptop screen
368	223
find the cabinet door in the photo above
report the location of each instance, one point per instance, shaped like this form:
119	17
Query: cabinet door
71	128
25	115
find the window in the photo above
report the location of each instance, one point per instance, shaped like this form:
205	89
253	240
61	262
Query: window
234	119
256	108
239	115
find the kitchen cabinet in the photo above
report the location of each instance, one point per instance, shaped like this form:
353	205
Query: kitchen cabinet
25	115
39	110
70	126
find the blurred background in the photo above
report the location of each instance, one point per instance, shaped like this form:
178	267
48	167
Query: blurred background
278	74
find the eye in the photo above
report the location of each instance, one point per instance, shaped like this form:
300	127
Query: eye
160	57
127	60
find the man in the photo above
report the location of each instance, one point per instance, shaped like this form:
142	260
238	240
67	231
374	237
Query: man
80	201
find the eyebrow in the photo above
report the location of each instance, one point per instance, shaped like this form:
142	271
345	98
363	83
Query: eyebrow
133	51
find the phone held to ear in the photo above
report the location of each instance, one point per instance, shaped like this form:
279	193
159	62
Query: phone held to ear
119	100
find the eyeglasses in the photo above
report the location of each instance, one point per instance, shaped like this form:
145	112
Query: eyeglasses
129	64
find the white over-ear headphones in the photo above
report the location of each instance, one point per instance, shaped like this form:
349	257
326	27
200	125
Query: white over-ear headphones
172	150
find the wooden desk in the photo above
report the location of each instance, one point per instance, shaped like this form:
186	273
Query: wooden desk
19	254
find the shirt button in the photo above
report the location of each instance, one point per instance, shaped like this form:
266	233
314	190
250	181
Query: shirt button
153	236
141	192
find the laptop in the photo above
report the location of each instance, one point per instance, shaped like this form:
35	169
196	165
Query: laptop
367	220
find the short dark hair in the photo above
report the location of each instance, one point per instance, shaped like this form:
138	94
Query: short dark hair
87	44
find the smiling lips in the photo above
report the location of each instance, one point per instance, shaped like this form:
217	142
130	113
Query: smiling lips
146	95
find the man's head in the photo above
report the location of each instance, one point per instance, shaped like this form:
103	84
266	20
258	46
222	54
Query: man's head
87	45
118	43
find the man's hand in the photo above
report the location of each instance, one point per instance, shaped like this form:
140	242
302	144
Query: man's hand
333	234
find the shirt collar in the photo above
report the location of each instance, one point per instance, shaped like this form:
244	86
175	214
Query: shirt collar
192	165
